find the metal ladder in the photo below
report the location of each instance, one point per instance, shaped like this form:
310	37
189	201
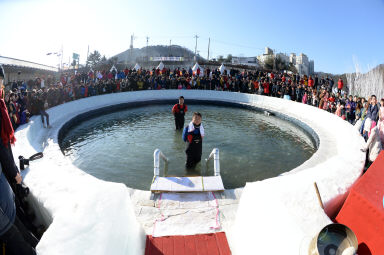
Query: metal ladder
158	154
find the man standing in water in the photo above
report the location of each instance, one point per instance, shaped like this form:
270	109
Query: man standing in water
179	111
193	135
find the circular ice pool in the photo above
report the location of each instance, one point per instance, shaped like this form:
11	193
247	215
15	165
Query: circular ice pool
118	146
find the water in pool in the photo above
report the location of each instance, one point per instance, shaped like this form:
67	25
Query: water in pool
119	146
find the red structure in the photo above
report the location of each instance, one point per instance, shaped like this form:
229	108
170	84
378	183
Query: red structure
363	210
204	244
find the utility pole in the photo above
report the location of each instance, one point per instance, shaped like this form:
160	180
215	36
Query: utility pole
86	63
131	46
60	58
170	43
147	49
209	42
196	44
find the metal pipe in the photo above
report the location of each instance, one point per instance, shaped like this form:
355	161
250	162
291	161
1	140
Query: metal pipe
216	161
157	154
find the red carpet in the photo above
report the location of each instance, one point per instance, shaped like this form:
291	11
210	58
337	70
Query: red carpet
204	244
363	210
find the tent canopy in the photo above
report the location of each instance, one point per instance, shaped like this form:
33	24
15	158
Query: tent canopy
113	68
160	66
137	67
222	68
197	66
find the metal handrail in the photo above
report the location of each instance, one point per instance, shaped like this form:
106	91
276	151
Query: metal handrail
216	161
157	154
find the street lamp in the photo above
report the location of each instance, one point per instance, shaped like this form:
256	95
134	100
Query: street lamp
58	54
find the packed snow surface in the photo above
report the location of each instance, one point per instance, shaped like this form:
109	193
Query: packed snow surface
275	216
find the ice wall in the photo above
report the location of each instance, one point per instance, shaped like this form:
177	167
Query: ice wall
367	84
281	215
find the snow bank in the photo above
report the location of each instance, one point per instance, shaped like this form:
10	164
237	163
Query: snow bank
275	216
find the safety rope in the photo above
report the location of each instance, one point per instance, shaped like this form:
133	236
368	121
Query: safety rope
162	216
218	225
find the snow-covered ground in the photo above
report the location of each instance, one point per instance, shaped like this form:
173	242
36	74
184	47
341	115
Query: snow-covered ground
276	216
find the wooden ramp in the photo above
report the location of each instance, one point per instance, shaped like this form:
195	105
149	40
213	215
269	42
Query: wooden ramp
187	184
203	244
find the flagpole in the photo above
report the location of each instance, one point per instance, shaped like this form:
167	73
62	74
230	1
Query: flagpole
86	61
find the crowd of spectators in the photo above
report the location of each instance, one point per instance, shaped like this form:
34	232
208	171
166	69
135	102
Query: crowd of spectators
32	98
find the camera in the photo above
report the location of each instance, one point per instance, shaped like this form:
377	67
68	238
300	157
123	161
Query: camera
23	162
22	190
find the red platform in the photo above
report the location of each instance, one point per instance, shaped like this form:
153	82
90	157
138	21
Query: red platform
204	244
363	210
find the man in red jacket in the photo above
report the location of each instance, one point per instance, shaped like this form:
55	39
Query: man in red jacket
179	111
266	88
340	85
311	82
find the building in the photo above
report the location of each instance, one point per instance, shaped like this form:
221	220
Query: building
16	69
311	67
248	61
302	59
268	51
283	57
267	55
292	58
302	64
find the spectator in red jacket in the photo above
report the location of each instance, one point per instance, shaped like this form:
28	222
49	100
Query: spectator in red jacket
340	85
266	88
179	111
311	82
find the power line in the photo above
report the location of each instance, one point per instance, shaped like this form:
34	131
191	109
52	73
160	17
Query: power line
237	45
196	37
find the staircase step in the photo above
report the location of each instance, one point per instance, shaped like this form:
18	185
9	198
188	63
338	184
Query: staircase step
187	184
209	244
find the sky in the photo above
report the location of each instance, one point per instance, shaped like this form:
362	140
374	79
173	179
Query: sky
338	35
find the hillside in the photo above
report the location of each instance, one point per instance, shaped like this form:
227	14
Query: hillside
138	55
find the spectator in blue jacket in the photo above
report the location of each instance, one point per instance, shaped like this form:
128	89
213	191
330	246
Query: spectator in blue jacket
371	117
350	107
